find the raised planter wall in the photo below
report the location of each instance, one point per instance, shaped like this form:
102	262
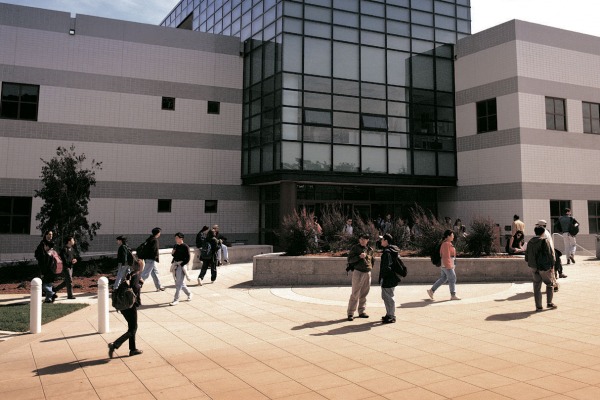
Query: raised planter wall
277	270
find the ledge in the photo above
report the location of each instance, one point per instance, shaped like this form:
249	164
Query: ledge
277	270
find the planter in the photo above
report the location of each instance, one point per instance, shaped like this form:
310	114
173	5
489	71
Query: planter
277	270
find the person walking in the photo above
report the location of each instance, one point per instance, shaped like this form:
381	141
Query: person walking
151	258
69	257
388	278
222	252
45	263
569	228
360	262
134	281
209	260
447	273
540	258
181	257
124	260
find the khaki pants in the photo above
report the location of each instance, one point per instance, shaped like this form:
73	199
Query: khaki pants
361	284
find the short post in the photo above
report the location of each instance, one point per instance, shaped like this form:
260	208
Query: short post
35	306
103	309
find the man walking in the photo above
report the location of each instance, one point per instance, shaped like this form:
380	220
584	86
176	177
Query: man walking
540	258
69	258
151	258
360	262
222	253
388	278
568	226
181	257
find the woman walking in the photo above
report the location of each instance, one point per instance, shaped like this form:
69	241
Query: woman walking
134	281
447	274
181	257
123	257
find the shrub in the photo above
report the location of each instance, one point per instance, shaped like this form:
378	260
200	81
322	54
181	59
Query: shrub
18	271
400	232
333	220
95	266
482	237
297	233
428	231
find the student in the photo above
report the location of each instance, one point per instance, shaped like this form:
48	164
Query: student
69	257
540	259
211	260
360	262
388	278
447	274
181	257
123	257
150	263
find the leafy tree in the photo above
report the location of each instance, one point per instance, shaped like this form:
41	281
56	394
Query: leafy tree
66	193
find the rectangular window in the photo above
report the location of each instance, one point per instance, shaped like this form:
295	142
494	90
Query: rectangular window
214	107
557	208
19	101
210	206
164	205
591	117
15	215
487	120
594	216
556	114
168	103
317	117
373	122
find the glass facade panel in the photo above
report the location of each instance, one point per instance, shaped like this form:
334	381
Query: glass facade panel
317	57
346	158
372	62
345	60
317	157
374	160
399	161
424	163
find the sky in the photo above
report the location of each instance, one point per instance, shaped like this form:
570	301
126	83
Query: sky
576	15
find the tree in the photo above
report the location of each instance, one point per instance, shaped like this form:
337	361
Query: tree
66	193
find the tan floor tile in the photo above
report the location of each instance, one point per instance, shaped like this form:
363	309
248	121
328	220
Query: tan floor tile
423	377
488	380
339	365
283	389
323	381
430	361
103	381
263	377
159	383
360	374
183	392
19	384
303	372
458	370
522	391
89	394
522	373
133	388
452	388
588	393
306	396
35	393
348	392
490	363
413	394
484	395
286	362
397	367
553	366
59	377
245	394
558	384
383	385
585	375
212	387
66	389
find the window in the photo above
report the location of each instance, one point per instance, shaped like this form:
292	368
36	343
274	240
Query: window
210	206
214	107
373	122
15	215
591	117
317	117
164	205
168	103
19	101
594	216
487	120
556	116
557	208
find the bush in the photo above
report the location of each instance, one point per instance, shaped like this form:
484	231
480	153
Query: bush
95	266
481	238
298	233
333	220
19	271
400	232
428	231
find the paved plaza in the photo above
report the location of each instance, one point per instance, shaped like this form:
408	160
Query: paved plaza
236	341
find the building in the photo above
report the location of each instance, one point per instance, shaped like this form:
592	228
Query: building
528	125
160	108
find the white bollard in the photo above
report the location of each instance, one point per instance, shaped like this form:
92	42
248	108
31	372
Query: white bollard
35	306
103	305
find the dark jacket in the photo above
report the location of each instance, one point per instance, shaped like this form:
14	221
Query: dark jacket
534	247
45	261
387	270
135	283
124	256
152	242
182	253
361	264
214	247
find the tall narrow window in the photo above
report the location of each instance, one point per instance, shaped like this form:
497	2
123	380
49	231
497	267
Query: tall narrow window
15	215
214	107
591	117
594	216
19	101
556	115
557	208
487	120
168	103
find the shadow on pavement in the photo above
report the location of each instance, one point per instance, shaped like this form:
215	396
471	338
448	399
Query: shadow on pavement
510	316
350	328
317	324
68	367
518	296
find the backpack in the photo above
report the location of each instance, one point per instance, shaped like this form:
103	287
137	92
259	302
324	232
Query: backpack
436	257
199	240
543	259
57	264
130	258
206	253
574	228
142	251
398	267
123	298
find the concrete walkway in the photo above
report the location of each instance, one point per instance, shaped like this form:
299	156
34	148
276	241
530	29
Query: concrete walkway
236	341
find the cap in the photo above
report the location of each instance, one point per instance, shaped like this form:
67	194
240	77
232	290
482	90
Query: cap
542	222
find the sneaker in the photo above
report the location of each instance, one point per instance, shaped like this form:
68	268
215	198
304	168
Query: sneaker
455	297
135	352
48	301
555	289
538	309
71	297
54	296
174	303
225	261
191	296
199	282
350	317
363	315
551	306
568	261
389	320
562	276
161	289
430	293
111	350
572	258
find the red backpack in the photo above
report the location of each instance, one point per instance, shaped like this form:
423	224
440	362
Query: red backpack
57	264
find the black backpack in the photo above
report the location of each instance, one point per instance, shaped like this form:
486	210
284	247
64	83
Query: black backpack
142	251
206	253
123	298
436	257
398	266
574	228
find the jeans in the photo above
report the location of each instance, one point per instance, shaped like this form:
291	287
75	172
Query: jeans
122	271
446	275
387	294
538	278
151	269
130	316
570	245
180	283
223	253
47	286
212	264
67	282
361	284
